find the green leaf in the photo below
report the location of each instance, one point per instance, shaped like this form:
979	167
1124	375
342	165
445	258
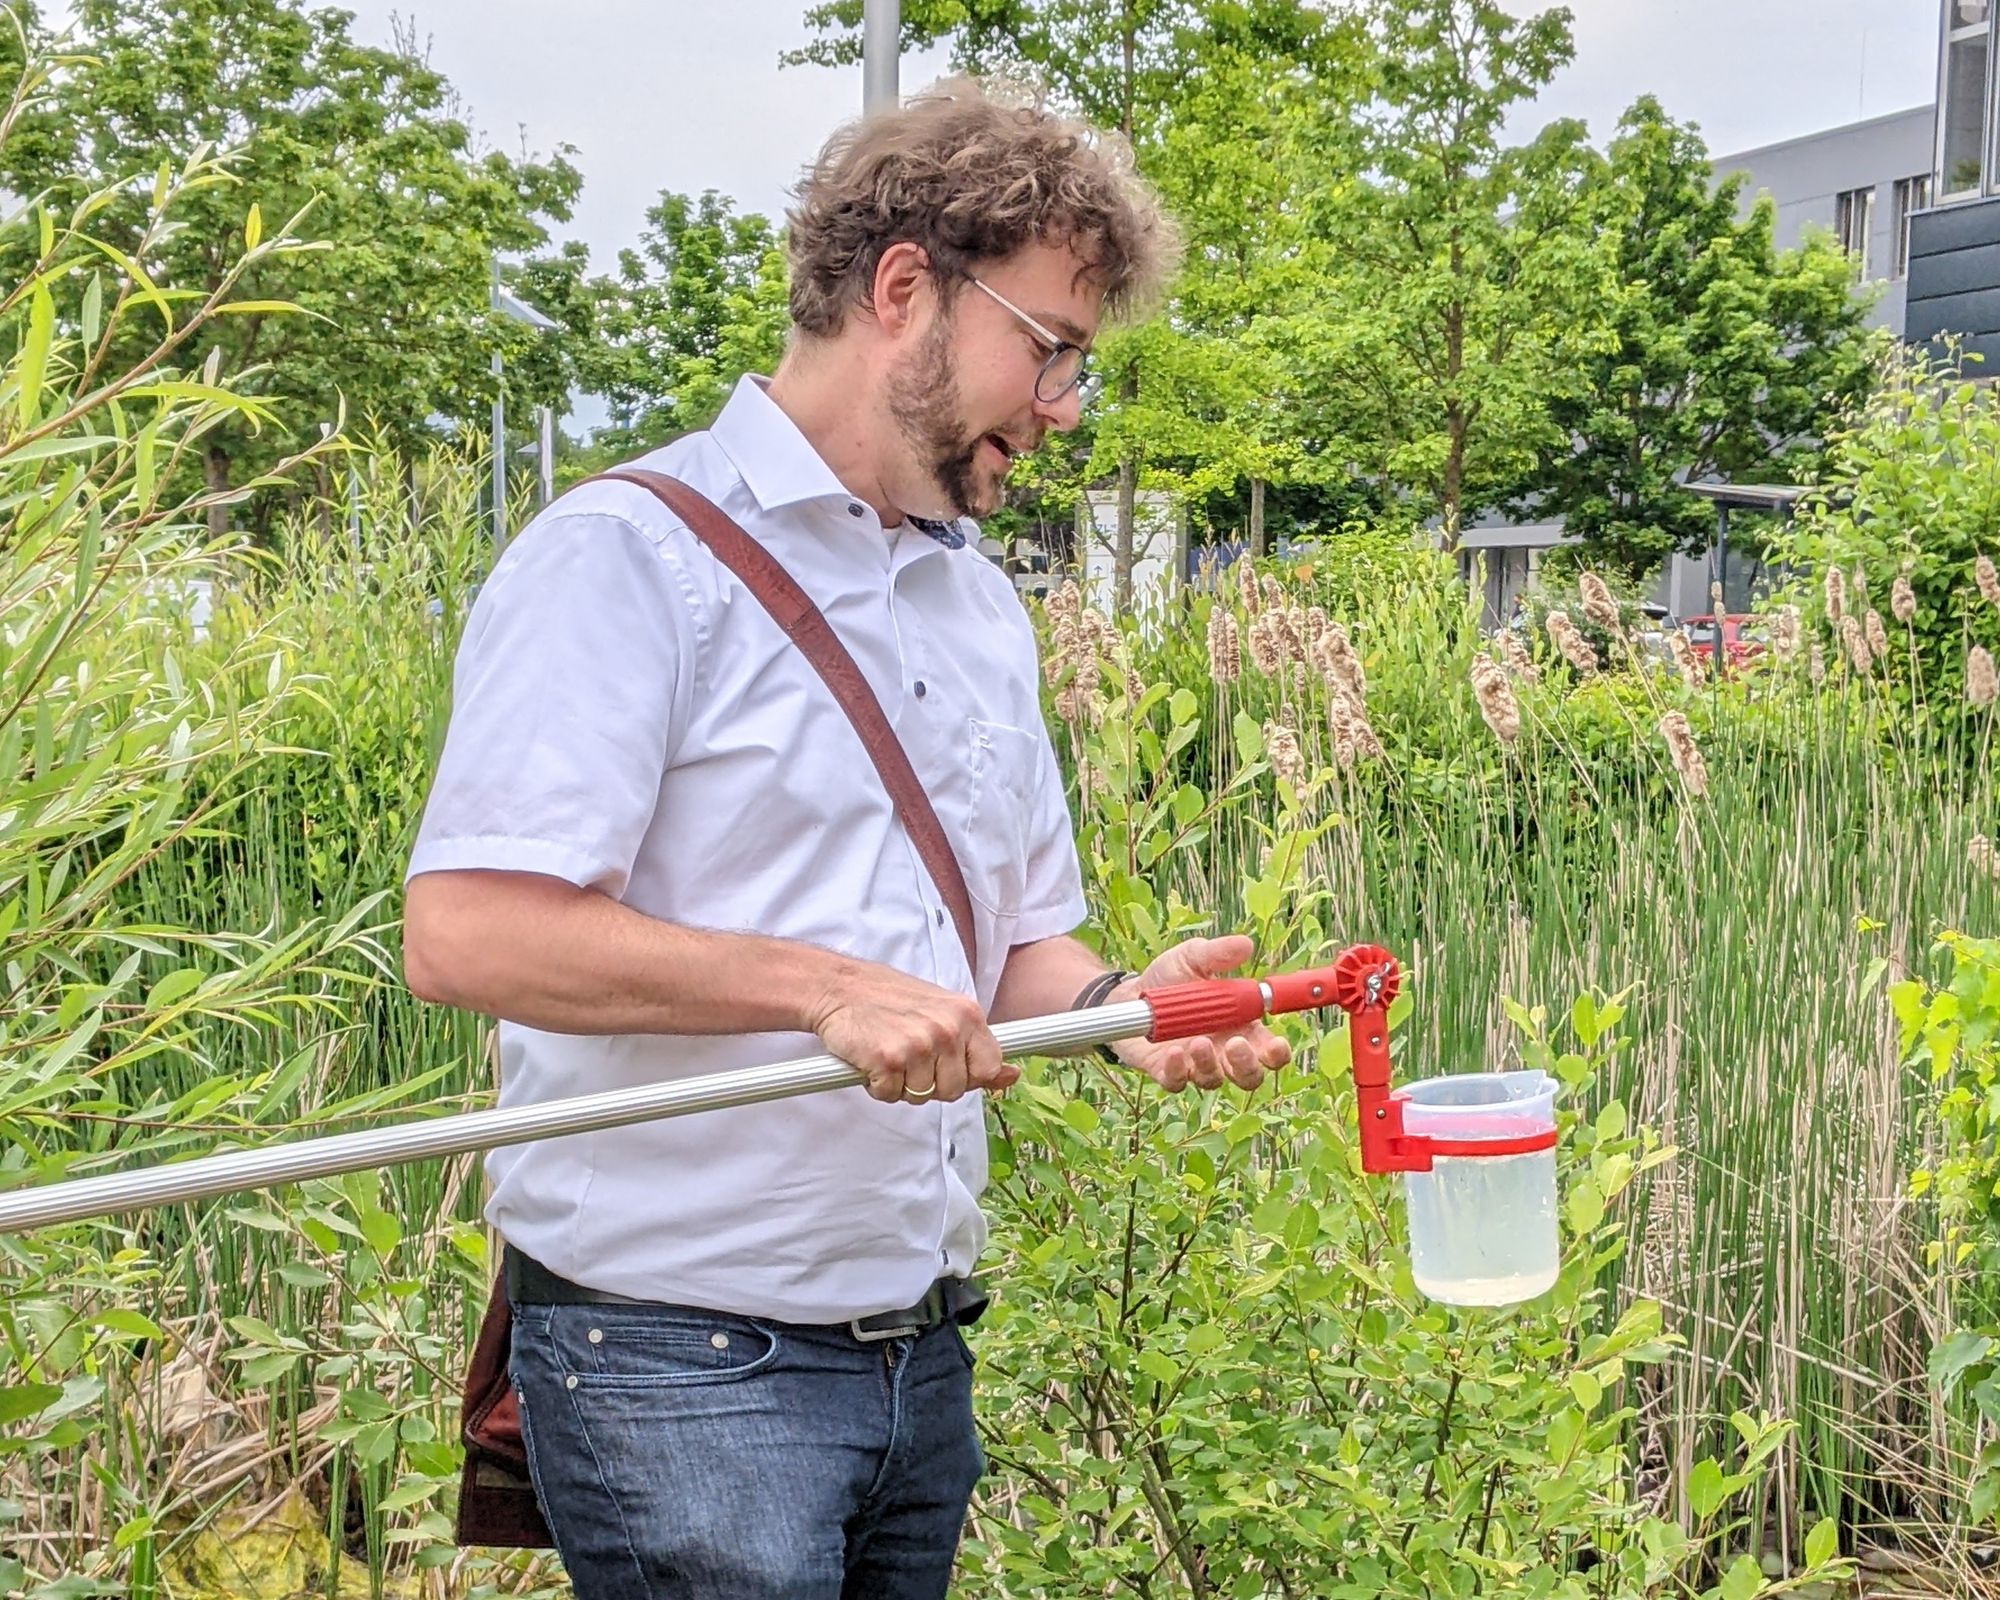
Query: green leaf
34	359
253	228
1743	1579
1955	1356
1822	1543
19	1401
1705	1489
1156	1366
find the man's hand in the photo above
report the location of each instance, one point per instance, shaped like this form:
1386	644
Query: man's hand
914	1041
1243	1055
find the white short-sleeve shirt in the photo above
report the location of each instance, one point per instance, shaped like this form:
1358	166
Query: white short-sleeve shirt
627	717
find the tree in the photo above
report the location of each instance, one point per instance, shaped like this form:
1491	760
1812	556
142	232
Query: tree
1469	275
700	302
1721	354
361	145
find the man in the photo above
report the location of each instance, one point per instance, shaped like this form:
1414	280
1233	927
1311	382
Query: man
654	848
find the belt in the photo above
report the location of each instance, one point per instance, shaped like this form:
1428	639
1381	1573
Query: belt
959	1300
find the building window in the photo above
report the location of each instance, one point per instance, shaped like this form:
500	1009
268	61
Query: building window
1968	38
1853	222
1912	194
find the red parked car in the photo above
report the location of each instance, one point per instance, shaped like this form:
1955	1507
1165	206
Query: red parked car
1744	637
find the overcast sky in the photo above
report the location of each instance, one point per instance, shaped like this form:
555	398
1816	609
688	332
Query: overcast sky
688	94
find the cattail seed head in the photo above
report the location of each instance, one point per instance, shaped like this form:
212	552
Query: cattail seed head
1287	760
1267	646
1857	644
1317	622
1225	661
1246	586
1598	605
1571	643
1860	582
1836	595
1274	593
1515	653
1981	685
1878	636
1496	699
1984	855
1693	674
1338	663
1683	751
1785	633
1988	579
1902	600
1816	662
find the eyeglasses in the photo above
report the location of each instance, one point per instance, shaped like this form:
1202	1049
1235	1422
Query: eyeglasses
1067	367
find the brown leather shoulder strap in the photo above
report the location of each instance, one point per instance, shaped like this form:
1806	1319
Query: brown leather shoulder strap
793	611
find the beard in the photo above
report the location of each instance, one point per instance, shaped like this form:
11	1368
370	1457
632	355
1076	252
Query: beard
924	404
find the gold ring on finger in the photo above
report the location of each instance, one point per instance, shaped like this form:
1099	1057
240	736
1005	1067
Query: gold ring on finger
918	1096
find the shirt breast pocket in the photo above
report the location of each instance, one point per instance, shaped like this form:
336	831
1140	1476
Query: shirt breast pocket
1004	763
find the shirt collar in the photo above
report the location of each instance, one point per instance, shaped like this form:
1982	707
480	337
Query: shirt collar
778	463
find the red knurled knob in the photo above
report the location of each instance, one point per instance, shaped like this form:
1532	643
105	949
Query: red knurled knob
1364	975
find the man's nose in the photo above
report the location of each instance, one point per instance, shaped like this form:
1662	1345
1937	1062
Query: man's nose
1062	413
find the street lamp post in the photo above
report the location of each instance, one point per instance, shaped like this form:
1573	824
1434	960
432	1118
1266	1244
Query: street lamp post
881	45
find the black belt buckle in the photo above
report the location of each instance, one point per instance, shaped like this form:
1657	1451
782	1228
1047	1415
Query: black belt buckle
947	1300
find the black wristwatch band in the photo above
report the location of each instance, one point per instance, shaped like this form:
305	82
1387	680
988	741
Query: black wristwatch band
1093	994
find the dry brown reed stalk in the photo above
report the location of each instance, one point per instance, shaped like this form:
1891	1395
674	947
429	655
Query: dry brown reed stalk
1225	654
1686	755
1984	855
1598	604
1988	579
1693	674
1856	643
1878	635
1902	600
1287	760
1571	643
1785	633
1496	699
1515	653
1836	595
1981	684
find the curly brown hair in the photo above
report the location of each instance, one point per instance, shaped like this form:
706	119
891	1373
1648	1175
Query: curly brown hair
972	178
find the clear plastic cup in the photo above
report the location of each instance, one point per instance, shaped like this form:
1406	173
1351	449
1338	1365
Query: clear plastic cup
1483	1227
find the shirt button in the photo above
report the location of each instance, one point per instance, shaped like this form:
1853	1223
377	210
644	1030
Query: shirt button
853	508
921	690
940	919
951	1150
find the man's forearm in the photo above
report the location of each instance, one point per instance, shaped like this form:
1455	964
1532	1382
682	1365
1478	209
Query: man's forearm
544	953
1045	977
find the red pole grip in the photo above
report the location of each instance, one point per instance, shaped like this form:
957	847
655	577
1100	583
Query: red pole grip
1183	1010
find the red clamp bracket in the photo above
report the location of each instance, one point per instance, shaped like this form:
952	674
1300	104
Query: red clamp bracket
1365	981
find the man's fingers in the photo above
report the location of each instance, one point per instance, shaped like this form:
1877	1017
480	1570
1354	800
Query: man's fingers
1241	1056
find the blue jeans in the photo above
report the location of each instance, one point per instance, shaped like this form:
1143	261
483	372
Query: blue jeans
699	1456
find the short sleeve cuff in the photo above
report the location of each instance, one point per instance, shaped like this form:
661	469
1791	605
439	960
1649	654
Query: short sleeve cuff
1047	922
501	853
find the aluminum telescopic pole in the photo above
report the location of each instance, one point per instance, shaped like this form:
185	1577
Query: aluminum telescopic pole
1174	1012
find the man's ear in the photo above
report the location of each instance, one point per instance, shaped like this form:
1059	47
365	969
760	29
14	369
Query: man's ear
902	280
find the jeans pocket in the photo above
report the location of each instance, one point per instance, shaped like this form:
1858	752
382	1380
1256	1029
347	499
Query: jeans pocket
965	1350
646	1347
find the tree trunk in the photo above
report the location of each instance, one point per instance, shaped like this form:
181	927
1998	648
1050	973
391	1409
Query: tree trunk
1121	555
215	468
1258	547
1454	473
